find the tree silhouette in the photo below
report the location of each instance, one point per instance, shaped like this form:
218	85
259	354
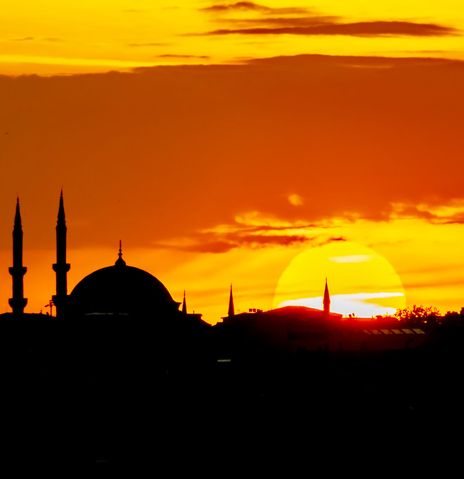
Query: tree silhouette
419	314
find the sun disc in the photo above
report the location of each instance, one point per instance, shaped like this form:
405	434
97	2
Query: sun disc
361	281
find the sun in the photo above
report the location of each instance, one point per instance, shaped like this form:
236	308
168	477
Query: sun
361	281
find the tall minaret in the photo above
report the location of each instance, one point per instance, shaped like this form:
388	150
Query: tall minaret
18	301
184	305
231	311
61	268
326	299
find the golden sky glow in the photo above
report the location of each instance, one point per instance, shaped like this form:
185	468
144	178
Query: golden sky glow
262	153
95	35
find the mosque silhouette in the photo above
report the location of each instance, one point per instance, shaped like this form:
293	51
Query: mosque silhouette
127	367
117	292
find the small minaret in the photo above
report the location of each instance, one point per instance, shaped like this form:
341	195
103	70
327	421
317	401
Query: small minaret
18	301
61	267
231	311
184	305
326	300
120	262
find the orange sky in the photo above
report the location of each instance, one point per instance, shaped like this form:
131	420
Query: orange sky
225	172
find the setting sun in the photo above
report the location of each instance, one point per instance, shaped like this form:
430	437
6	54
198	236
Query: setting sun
361	281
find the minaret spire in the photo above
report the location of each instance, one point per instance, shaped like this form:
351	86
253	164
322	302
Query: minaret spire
326	299
18	301
61	267
120	261
184	305
231	311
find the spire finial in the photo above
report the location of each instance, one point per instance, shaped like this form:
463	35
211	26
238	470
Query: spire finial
17	220
184	305
61	213
120	261
326	298
231	311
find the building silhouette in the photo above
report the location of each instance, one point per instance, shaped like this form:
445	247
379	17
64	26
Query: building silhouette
127	295
123	358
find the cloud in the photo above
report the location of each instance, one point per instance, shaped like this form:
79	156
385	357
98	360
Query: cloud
234	7
304	21
147	44
224	238
451	212
181	56
39	39
251	6
318	26
231	242
295	199
356	258
361	304
23	39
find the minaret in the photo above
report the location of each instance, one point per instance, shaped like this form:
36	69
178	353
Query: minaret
61	268
231	311
184	305
18	301
326	299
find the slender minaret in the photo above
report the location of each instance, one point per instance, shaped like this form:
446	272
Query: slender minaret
18	301
184	305
231	311
326	299
61	267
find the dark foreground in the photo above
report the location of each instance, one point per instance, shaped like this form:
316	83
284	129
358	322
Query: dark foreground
100	399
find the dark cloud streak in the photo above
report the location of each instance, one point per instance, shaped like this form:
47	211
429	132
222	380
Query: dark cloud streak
181	56
359	29
251	6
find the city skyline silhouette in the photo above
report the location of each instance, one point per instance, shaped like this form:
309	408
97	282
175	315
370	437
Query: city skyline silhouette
231	235
61	268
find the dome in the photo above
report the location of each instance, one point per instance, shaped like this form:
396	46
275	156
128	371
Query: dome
121	289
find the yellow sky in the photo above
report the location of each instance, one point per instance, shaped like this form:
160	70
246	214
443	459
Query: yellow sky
95	35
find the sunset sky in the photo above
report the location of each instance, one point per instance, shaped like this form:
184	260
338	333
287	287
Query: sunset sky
269	145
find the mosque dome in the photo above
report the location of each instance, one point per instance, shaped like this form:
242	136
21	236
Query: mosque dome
121	290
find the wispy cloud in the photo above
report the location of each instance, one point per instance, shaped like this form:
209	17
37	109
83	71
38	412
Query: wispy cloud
38	39
295	199
357	258
365	305
147	44
451	212
251	6
264	20
183	56
310	27
23	39
247	232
